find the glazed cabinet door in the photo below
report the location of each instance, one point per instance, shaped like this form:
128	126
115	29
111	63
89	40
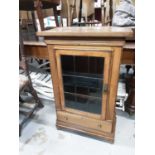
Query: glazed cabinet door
84	81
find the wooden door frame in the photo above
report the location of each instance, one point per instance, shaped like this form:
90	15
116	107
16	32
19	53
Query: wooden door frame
104	52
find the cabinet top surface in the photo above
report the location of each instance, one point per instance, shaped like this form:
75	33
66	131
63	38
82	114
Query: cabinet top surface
87	32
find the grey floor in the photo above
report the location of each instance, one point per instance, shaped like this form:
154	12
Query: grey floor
40	137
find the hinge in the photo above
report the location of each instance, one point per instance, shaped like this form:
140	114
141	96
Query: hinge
105	88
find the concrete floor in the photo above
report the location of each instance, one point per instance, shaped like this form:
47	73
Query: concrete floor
40	137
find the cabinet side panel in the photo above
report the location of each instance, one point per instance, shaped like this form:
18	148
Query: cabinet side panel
116	60
54	75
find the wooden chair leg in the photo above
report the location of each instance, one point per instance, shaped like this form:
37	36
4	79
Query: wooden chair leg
56	16
34	24
20	99
20	130
128	68
130	103
80	12
34	94
38	5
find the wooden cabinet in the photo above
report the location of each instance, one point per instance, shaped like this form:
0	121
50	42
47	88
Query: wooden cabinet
85	66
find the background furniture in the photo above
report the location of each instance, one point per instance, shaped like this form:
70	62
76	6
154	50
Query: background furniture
38	5
85	96
85	9
39	50
130	85
130	103
71	9
26	109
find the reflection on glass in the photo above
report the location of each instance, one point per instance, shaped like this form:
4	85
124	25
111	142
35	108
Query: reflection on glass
83	82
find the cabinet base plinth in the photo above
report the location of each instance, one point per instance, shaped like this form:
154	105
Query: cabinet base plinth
87	131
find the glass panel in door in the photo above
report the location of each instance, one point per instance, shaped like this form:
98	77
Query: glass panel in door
83	82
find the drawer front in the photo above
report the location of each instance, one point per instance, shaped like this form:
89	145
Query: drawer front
105	126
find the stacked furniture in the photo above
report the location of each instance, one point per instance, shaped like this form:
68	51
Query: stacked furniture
38	5
26	109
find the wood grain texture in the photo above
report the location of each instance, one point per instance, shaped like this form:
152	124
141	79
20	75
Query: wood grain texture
54	75
85	42
105	126
34	43
116	60
128	56
88	32
107	68
36	51
67	121
39	49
